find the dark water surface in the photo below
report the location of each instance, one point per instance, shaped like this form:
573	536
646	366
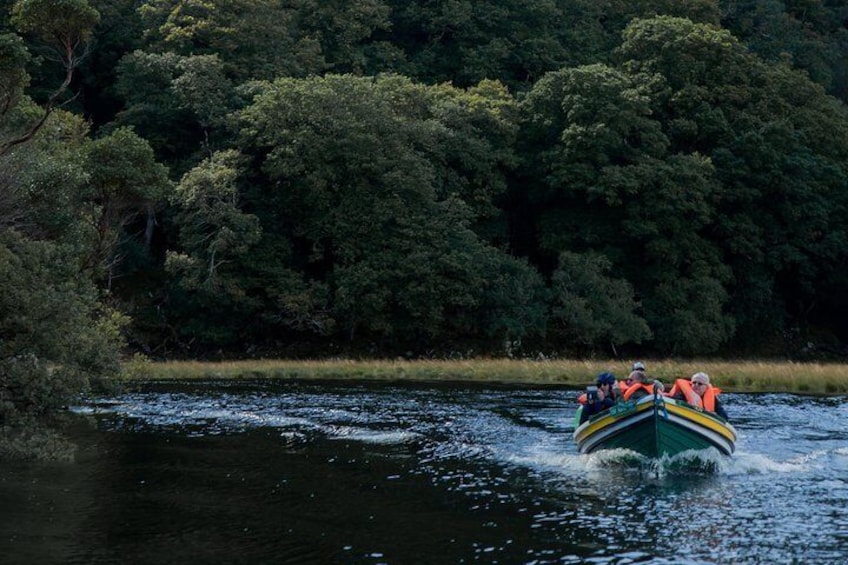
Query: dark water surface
373	473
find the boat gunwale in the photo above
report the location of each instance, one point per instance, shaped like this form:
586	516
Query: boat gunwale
600	428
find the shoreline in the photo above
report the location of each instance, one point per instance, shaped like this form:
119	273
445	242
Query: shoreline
730	376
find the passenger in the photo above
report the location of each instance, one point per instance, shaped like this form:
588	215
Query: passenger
637	386
601	398
698	392
637	366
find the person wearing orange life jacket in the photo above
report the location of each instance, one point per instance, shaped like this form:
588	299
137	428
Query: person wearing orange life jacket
598	398
638	386
698	392
637	366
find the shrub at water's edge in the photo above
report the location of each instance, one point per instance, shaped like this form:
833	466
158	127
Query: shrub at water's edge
731	376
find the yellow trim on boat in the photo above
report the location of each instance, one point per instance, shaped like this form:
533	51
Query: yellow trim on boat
671	405
701	419
609	418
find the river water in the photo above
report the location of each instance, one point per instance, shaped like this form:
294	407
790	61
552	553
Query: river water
302	473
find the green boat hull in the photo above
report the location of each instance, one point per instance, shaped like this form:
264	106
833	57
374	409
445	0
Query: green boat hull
655	427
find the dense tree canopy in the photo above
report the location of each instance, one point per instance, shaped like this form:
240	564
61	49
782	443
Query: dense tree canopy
378	177
56	333
778	147
359	180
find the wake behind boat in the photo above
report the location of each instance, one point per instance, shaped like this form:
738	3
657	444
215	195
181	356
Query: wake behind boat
655	426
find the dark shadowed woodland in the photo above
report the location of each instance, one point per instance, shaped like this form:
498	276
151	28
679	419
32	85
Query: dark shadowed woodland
378	178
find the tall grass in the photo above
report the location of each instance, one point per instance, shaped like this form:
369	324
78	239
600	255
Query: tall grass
731	376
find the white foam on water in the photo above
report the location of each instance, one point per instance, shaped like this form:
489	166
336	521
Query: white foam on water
385	438
613	461
272	420
757	463
707	461
370	436
293	436
205	414
578	465
550	460
810	458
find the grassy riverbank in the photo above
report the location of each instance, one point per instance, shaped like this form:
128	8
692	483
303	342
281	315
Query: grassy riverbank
731	376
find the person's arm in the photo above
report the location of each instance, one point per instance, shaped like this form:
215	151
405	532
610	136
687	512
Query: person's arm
589	410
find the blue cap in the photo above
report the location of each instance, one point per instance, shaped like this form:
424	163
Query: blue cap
606	379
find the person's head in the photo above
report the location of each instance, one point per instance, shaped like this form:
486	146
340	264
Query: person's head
635	377
605	379
700	382
638	366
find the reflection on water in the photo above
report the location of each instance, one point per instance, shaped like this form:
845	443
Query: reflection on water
358	473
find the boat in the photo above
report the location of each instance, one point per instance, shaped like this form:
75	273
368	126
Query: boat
655	426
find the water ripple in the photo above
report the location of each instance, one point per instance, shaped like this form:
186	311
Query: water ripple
491	475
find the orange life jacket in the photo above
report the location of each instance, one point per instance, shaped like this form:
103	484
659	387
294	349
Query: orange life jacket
707	402
636	386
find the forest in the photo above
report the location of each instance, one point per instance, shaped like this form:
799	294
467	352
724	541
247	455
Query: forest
378	178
